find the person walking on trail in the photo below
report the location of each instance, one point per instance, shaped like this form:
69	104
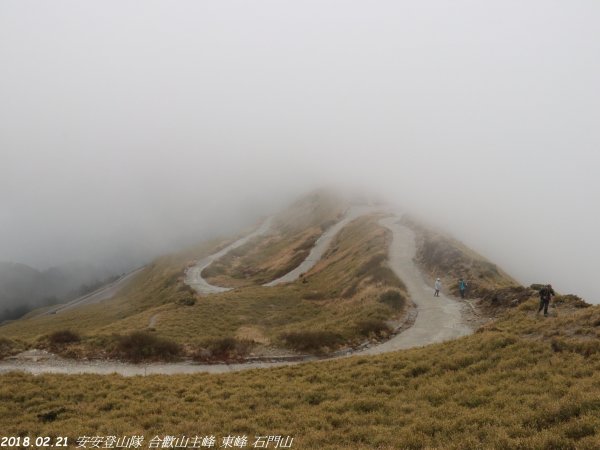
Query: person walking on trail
462	287
438	287
546	294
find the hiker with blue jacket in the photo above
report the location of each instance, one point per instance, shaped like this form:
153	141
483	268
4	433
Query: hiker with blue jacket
462	287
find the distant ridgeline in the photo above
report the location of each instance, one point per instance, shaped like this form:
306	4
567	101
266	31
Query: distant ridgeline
23	288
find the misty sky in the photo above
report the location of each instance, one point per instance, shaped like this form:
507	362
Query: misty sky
128	128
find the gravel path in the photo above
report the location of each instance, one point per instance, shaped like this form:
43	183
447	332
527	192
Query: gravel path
438	318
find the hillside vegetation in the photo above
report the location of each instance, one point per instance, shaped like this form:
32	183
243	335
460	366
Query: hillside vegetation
524	382
293	234
331	306
348	298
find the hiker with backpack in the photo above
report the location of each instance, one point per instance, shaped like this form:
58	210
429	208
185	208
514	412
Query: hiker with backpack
462	287
546	294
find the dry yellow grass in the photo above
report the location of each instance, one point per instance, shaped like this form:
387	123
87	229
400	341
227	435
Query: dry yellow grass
501	388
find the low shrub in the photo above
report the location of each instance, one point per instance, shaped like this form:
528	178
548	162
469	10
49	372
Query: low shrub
186	288
510	296
571	301
7	347
63	337
225	349
186	301
312	341
370	327
141	345
392	298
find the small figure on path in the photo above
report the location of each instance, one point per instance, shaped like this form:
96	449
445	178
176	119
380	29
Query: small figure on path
438	287
462	287
546	294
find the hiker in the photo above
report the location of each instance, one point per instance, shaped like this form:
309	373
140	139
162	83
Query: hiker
546	294
462	287
438	287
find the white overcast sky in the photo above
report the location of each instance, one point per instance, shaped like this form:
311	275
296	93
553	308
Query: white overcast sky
144	124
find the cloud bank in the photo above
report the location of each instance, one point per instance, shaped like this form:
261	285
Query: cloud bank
131	128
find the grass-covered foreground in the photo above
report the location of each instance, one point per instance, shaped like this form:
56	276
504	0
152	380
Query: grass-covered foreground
522	382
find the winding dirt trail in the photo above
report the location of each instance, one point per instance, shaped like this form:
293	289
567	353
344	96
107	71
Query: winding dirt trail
438	319
322	244
193	275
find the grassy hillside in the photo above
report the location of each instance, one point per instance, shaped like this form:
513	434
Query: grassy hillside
523	382
294	233
349	297
296	314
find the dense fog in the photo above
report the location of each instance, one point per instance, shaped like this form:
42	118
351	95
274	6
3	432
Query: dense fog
129	129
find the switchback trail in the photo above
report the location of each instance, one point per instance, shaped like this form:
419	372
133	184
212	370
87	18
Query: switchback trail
322	244
194	274
438	319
